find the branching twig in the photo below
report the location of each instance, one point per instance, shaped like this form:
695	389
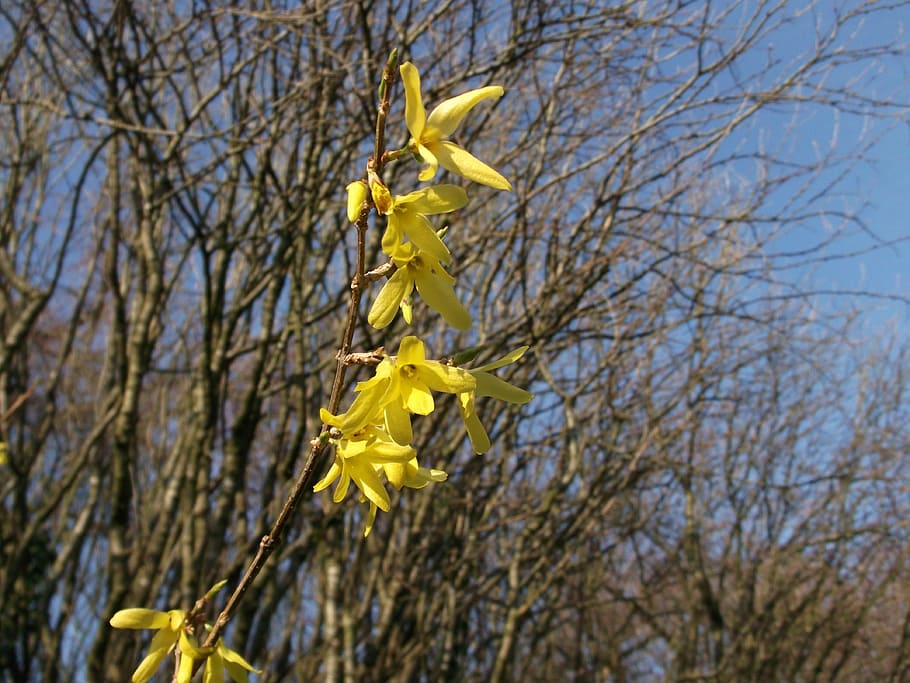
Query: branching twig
345	357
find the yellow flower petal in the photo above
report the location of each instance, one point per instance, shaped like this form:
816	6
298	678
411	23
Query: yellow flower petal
421	233
330	476
139	617
407	312
440	296
149	666
488	385
214	669
176	617
398	423
366	479
162	643
395	473
190	648
233	657
344	483
446	117
414	114
389	452
387	302
435	199
480	440
382	198
411	351
430	160
455	159
417	398
446	378
185	671
368	524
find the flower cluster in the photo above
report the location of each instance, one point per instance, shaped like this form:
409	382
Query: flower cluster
372	439
175	631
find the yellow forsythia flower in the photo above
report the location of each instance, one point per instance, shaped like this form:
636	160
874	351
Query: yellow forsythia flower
172	631
225	659
417	268
356	458
489	385
169	626
401	385
428	135
407	216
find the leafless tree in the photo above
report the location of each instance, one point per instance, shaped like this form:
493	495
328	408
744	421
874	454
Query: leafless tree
709	483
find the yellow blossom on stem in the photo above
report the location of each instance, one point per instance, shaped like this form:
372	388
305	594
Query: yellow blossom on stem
407	216
428	134
417	268
401	385
356	458
170	627
488	384
411	384
410	474
225	659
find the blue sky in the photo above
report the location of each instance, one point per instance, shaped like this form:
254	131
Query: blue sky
881	184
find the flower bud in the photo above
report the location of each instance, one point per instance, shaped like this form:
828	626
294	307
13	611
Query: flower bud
357	195
382	198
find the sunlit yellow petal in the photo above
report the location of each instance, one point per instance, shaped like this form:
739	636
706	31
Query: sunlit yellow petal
398	424
162	643
185	671
488	385
455	159
234	657
440	296
148	666
214	669
341	488
393	235
422	476
190	648
330	476
407	311
421	233
411	351
139	617
414	114
389	452
237	671
417	398
395	473
430	160
382	198
480	440
435	199
365	478
386	304
368	524
446	117
176	617
446	378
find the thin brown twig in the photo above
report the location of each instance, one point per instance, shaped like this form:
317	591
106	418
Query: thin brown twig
304	480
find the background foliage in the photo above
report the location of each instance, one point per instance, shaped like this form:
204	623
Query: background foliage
711	481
